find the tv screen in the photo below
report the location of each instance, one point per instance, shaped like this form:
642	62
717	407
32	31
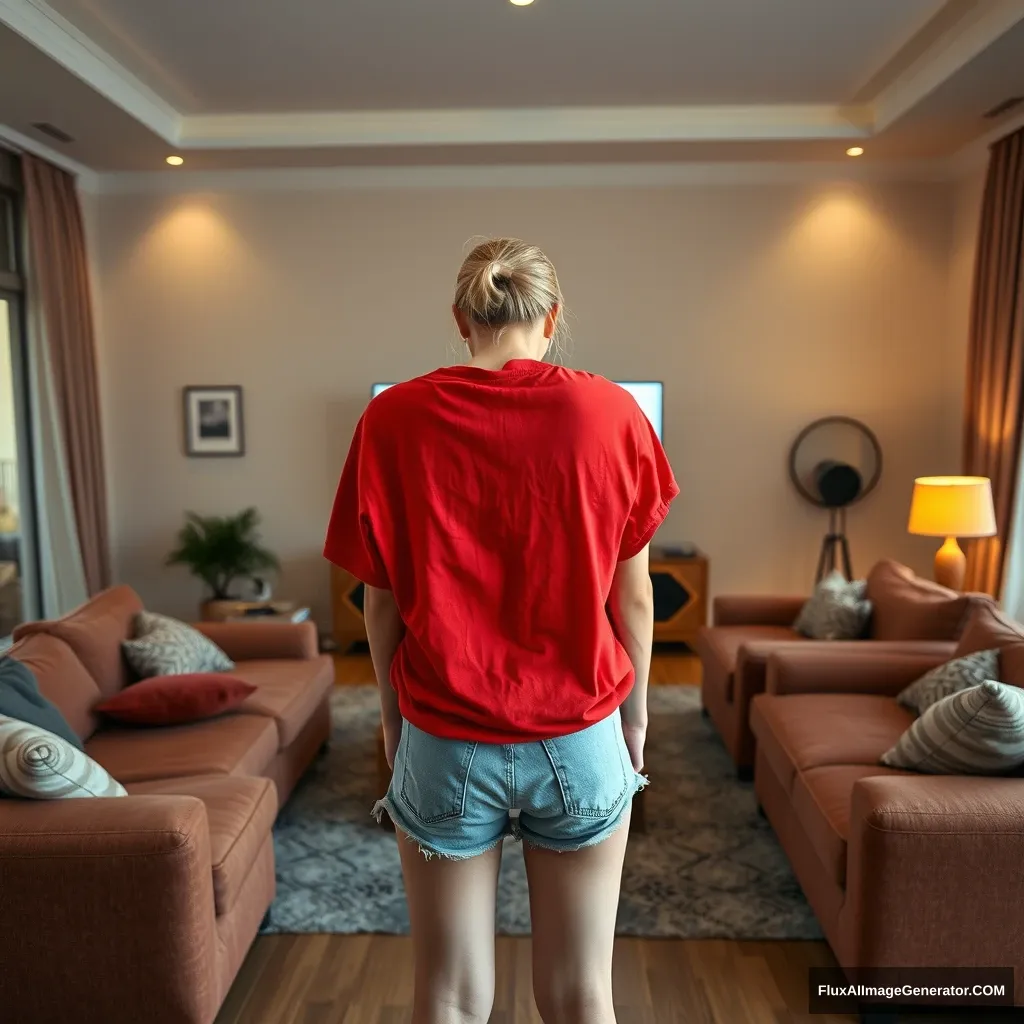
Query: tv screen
649	395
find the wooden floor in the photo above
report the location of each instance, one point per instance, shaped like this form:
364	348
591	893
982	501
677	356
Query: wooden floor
367	979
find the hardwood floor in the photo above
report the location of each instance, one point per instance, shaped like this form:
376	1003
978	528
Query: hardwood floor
367	979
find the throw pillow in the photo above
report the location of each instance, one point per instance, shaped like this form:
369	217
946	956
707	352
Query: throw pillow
20	699
174	700
37	764
837	610
163	646
951	677
979	731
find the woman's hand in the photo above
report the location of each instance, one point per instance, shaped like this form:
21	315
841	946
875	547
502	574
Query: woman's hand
392	734
635	737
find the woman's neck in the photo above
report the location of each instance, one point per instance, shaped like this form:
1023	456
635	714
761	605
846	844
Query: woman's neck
489	355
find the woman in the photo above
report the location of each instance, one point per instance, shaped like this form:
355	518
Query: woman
499	514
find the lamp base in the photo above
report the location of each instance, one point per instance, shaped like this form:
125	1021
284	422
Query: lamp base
950	565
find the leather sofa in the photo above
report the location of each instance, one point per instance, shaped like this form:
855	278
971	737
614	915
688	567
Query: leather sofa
902	869
910	614
142	908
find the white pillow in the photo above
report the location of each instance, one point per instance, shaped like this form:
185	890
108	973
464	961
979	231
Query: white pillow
168	647
837	610
37	764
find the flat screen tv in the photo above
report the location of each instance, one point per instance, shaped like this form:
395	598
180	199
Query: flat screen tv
649	395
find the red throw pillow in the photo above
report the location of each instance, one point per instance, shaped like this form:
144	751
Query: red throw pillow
175	700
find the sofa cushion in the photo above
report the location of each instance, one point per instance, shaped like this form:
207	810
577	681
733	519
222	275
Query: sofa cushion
233	745
811	730
989	628
240	814
95	632
906	607
837	610
949	677
821	802
979	731
62	678
21	698
287	691
162	646
38	765
723	643
176	700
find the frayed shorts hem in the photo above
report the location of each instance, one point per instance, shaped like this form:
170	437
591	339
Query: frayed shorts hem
428	849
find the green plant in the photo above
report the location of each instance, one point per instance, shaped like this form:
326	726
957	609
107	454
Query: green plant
220	549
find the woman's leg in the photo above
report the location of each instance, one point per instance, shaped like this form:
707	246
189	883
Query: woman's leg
451	909
573	901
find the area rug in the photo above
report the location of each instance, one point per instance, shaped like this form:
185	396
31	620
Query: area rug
707	867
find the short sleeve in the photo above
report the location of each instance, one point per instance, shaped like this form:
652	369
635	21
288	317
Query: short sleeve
351	542
656	487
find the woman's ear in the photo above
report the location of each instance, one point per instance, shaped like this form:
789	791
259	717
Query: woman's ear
551	322
462	322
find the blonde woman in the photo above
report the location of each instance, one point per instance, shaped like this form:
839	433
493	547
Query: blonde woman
499	513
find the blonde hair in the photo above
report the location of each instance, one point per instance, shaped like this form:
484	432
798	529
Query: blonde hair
505	281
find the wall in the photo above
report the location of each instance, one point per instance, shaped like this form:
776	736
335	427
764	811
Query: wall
761	306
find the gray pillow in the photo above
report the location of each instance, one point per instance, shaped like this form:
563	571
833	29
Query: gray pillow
20	698
837	610
163	646
950	677
979	731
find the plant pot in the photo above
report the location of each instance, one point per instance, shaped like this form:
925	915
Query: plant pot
217	610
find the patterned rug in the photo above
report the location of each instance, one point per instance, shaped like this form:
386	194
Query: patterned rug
708	866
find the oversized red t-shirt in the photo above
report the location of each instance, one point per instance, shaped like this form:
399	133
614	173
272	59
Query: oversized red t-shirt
495	505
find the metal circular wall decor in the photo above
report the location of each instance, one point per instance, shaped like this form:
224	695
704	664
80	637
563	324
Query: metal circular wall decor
835	462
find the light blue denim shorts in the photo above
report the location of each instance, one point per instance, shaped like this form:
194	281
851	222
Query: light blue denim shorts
457	798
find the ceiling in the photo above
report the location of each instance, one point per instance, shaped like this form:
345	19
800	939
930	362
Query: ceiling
299	83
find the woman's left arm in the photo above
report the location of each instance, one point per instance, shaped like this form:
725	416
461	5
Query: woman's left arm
384	631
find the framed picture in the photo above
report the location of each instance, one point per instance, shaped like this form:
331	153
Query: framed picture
213	421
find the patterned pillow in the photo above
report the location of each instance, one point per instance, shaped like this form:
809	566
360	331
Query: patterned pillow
979	731
838	610
950	677
37	764
167	647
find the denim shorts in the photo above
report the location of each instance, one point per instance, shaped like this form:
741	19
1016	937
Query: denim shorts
457	798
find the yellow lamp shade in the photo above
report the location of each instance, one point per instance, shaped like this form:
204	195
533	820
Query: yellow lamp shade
952	506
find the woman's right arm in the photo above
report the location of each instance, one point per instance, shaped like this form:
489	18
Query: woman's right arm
631	604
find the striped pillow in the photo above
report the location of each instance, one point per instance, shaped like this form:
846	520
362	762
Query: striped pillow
37	764
163	646
978	731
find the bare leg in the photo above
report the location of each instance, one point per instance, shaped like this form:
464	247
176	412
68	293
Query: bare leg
451	909
573	901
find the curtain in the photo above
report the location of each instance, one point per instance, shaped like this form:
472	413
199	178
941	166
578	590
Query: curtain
68	386
994	400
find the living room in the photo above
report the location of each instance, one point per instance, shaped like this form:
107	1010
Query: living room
225	227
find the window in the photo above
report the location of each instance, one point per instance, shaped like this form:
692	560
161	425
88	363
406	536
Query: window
18	557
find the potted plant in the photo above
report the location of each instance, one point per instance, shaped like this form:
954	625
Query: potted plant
222	550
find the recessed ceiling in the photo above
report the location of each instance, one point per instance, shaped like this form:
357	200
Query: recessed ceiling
322	83
235	56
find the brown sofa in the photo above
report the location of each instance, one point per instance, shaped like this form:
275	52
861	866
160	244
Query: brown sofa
143	907
901	869
910	614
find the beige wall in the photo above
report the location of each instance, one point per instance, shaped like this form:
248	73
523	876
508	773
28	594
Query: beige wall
762	307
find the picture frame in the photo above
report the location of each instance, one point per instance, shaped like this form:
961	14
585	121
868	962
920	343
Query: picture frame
214	421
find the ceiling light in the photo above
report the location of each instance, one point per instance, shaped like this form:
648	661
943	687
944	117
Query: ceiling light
855	151
175	161
521	3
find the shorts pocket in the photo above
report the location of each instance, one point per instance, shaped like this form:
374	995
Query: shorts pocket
434	774
591	768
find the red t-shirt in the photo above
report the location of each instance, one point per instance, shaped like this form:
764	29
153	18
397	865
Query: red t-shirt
495	504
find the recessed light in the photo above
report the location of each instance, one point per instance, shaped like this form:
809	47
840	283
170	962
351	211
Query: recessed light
175	161
520	3
855	151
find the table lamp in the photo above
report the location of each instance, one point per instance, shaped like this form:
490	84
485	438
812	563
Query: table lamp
952	507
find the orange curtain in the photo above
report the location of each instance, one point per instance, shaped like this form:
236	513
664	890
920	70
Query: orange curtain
995	361
59	281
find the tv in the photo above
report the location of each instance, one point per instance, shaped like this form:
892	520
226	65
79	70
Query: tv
649	395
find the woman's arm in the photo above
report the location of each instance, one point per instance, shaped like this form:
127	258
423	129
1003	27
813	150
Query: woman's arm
631	604
384	631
